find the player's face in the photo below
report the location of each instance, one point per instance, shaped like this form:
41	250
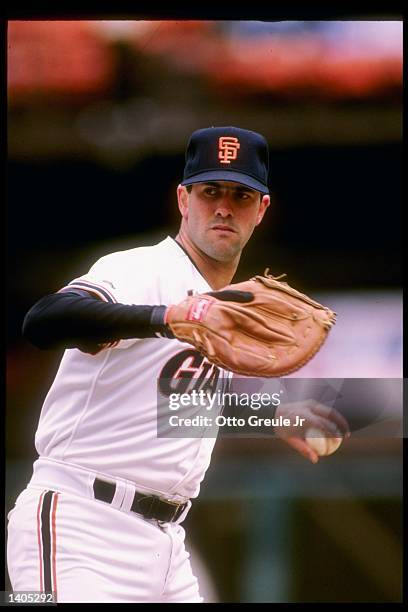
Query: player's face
220	216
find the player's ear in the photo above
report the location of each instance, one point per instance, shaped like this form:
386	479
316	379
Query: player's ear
182	198
265	202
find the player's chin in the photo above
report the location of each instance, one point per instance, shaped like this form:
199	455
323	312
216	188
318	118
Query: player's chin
225	237
225	249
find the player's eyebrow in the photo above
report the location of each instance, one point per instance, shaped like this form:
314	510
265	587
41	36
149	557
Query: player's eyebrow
246	189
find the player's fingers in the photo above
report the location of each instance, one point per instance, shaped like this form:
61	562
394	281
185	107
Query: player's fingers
328	427
333	415
232	296
303	448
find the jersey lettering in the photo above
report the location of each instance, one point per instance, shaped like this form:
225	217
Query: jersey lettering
188	371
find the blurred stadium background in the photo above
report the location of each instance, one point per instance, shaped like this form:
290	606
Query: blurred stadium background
99	113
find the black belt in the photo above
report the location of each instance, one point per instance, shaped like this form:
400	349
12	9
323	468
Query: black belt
149	506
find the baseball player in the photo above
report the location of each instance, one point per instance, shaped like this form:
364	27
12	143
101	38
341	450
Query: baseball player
100	519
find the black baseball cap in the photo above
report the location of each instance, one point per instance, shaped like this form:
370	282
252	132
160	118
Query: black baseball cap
227	154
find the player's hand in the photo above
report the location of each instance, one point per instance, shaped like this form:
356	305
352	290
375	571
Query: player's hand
260	327
315	415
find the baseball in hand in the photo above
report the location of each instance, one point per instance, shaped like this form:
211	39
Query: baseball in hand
321	443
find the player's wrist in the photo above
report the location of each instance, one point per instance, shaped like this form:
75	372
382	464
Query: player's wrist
159	321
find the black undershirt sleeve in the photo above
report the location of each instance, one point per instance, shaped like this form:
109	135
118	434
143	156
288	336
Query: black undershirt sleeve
79	320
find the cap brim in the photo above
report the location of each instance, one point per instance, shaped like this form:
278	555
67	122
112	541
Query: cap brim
227	175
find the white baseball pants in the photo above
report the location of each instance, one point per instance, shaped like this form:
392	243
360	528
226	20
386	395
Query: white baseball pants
85	550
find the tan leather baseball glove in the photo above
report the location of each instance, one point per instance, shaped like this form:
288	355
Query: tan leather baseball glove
261	327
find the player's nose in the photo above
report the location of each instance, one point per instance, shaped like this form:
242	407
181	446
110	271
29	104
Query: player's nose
224	207
223	212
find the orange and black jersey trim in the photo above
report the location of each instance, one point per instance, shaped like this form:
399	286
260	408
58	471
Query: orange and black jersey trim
95	289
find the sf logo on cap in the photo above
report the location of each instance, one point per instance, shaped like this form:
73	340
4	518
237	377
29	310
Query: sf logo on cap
227	149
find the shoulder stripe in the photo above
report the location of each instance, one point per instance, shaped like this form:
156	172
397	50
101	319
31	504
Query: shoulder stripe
95	288
96	292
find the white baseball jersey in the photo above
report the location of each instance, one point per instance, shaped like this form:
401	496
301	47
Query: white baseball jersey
101	410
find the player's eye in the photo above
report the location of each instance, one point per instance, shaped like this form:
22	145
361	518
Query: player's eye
243	196
211	191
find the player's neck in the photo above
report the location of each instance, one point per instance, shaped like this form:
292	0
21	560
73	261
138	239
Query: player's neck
218	274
